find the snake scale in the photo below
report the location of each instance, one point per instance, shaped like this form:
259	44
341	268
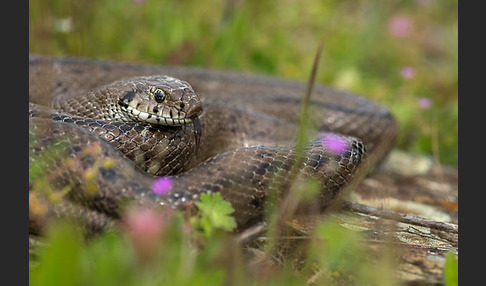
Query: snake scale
208	130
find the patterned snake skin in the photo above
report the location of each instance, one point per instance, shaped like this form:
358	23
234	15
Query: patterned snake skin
227	132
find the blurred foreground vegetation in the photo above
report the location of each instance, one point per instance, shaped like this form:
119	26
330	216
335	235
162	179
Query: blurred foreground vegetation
401	53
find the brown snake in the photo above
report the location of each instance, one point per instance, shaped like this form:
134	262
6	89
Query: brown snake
236	140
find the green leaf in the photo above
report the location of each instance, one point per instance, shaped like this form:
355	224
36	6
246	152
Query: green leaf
215	212
451	270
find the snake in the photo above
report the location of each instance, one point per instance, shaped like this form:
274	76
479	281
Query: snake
206	130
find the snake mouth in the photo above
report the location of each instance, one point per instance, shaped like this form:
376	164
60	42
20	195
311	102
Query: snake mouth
142	116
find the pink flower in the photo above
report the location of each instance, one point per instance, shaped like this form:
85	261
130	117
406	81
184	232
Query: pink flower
407	72
425	102
399	26
162	186
145	227
335	144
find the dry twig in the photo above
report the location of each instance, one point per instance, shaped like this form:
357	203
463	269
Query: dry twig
400	217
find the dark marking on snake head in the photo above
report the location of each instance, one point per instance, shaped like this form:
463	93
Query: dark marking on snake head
129	95
122	103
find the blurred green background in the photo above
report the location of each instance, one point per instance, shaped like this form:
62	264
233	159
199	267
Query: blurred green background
403	54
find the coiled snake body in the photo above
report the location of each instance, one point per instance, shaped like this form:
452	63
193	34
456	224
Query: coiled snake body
224	132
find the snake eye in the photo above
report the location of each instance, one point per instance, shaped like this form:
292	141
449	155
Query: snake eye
159	95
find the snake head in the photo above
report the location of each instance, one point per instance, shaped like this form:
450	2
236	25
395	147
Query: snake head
160	100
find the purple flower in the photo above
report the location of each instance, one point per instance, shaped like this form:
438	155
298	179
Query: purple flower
425	102
162	186
399	26
407	72
335	144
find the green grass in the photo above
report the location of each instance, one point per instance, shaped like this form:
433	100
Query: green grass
280	38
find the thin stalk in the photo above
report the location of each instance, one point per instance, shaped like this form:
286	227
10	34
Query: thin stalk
286	208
